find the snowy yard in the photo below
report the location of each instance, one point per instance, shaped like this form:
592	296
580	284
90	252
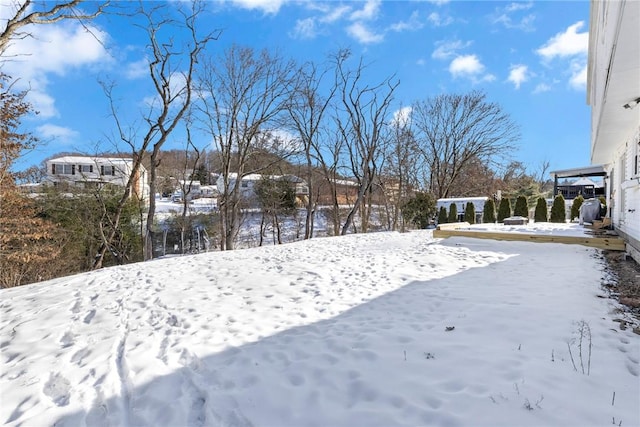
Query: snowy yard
382	329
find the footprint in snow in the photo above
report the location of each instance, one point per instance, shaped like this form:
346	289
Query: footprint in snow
58	389
89	317
68	339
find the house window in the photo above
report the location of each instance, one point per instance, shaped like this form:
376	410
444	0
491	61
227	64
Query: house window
244	184
63	169
85	168
108	170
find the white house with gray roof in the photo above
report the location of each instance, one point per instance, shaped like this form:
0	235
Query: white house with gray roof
88	172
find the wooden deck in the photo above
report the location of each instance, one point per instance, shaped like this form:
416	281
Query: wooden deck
612	243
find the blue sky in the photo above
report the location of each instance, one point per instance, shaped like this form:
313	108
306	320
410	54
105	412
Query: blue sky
530	57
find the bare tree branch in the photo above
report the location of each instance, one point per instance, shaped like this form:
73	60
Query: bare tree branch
44	12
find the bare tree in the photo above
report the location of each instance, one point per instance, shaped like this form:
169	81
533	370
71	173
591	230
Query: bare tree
26	12
542	176
191	160
361	120
478	179
401	161
330	152
242	95
307	115
455	129
173	84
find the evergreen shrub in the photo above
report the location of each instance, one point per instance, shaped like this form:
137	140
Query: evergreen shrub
442	215
470	213
575	206
489	212
453	213
419	209
521	208
541	210
504	210
558	213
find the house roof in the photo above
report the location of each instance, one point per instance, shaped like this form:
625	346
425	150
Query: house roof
90	159
97	160
345	182
258	177
585	181
463	199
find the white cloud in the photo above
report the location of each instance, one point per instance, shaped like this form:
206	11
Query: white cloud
311	27
53	49
58	133
368	12
466	65
402	116
448	49
267	6
439	2
135	70
414	23
571	48
305	29
469	66
541	88
518	74
358	25
439	21
361	33
578	78
42	102
335	14
566	44
505	16
518	6
56	48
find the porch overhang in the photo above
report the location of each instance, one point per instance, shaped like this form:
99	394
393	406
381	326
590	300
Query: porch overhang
586	171
583	172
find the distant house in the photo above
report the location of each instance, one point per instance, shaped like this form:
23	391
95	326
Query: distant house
346	192
248	185
94	172
581	187
613	92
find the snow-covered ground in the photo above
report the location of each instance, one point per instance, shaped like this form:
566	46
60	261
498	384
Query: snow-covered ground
382	329
541	228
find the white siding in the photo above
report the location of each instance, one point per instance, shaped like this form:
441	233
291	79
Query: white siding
614	96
